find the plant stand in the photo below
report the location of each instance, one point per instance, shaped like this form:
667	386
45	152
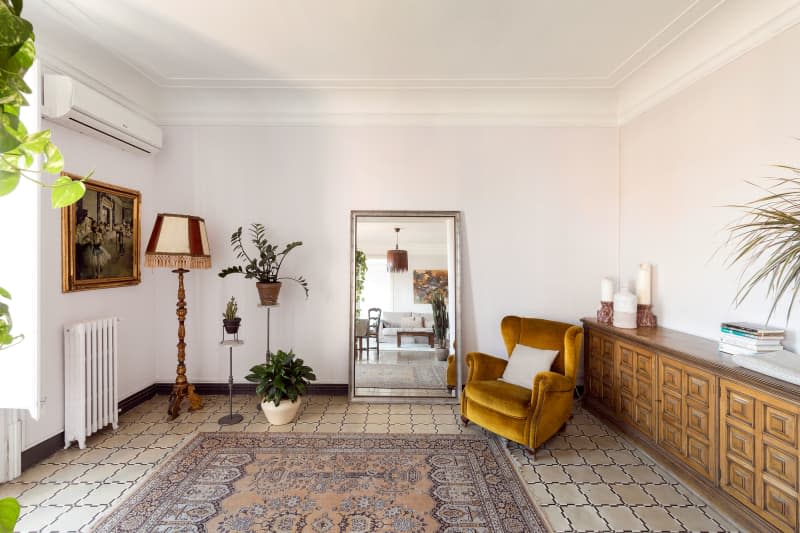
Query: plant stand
268	354
230	418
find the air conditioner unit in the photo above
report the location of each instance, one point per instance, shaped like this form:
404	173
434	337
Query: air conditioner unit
73	104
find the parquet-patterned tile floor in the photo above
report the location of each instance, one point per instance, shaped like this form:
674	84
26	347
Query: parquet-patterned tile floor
586	479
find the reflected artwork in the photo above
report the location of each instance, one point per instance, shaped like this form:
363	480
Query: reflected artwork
426	282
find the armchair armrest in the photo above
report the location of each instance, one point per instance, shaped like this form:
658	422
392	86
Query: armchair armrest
550	382
484	367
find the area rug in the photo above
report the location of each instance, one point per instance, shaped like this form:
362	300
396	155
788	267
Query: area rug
319	483
401	376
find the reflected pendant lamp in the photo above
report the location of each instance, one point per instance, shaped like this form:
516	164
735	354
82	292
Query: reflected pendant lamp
397	259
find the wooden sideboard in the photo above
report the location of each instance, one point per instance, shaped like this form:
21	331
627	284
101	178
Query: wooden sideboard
729	433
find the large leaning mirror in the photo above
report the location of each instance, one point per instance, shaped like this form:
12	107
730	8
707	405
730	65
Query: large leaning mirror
405	302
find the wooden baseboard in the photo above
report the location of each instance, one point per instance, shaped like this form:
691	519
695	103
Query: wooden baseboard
727	506
136	398
332	389
41	451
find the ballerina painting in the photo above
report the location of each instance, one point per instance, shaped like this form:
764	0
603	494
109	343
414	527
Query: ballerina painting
100	236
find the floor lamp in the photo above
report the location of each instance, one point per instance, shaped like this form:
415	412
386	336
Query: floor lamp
179	242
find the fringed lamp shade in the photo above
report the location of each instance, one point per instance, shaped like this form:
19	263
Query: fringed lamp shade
178	241
397	259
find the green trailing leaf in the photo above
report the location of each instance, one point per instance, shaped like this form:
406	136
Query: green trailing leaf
66	191
8	182
54	162
9	514
14	30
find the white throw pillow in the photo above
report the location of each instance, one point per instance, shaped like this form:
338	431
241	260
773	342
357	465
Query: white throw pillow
525	362
410	322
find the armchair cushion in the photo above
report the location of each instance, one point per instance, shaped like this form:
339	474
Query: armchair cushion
502	397
525	362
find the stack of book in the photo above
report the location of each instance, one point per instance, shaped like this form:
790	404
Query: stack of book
744	338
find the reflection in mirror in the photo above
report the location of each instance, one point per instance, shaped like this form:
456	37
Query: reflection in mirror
405	304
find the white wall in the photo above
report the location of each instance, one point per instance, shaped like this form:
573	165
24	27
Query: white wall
540	226
133	305
684	159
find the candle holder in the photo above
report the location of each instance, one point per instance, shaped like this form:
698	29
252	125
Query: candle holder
605	315
645	317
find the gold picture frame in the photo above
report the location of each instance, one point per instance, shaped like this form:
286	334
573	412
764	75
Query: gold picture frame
101	238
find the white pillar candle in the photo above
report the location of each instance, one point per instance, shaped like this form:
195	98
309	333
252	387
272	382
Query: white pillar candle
606	290
643	284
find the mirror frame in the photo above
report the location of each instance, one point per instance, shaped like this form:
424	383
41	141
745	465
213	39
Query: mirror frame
354	216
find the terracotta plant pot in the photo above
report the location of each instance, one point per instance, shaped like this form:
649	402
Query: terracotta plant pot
232	326
268	292
282	414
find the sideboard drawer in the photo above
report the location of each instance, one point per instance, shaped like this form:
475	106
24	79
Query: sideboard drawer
780	424
740	444
741	407
780	464
671	377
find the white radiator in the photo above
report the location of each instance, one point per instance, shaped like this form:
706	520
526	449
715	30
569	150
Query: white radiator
90	368
10	444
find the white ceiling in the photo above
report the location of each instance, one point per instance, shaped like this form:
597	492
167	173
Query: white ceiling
320	62
237	43
424	236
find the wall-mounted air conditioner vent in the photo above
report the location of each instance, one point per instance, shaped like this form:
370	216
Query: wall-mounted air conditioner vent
73	104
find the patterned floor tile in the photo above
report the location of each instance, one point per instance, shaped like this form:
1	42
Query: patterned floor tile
588	478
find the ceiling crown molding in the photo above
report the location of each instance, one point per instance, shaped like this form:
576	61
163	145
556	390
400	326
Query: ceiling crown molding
714	33
401	107
716	41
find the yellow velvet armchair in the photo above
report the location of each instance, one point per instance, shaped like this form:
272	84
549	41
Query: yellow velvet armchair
527	416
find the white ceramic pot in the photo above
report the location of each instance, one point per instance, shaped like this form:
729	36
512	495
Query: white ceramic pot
282	414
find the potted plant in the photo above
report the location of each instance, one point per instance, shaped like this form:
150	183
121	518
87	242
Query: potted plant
282	378
441	324
361	275
264	267
230	318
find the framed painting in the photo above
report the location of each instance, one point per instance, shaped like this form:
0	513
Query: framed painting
100	238
426	282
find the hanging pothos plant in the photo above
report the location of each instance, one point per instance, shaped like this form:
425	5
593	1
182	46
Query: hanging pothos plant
361	274
767	241
20	149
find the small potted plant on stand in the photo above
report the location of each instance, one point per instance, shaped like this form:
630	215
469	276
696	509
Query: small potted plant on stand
265	266
280	383
230	318
441	324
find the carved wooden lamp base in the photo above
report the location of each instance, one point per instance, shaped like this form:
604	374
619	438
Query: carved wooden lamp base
645	317
179	392
605	315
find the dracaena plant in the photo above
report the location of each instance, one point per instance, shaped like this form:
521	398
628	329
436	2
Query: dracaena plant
265	265
766	241
19	148
284	377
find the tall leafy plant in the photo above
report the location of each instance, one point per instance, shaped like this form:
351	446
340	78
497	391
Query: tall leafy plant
283	378
19	148
441	319
361	275
766	241
266	265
